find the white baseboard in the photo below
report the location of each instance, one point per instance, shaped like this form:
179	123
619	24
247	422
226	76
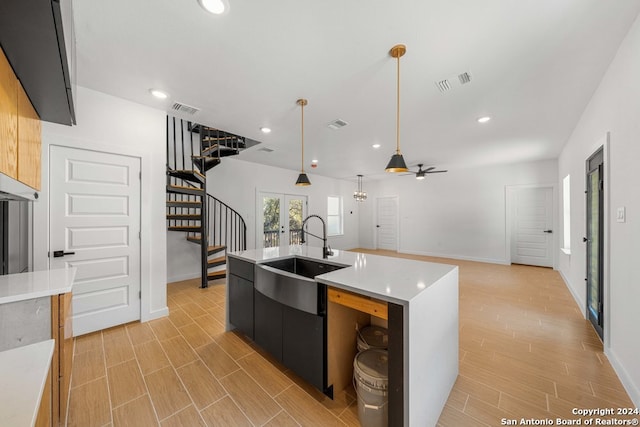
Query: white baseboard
627	382
460	257
156	314
578	300
181	277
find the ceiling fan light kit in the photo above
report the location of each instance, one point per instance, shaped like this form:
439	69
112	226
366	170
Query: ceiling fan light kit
397	163
422	173
303	179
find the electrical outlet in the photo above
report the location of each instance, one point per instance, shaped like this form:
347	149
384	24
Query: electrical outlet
621	215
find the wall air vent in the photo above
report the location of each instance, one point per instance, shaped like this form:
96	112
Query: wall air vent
464	78
184	108
337	124
265	149
443	85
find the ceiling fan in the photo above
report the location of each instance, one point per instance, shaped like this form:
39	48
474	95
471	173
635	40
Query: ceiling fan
421	173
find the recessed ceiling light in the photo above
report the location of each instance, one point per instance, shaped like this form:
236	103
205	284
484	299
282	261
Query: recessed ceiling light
158	93
265	130
376	145
216	7
484	119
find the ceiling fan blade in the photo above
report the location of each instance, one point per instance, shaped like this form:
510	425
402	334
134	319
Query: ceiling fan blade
430	168
435	171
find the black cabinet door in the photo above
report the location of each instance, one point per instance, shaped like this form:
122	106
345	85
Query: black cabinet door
241	304
268	324
303	345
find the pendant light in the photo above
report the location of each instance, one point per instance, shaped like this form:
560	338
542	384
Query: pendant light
303	180
360	195
397	164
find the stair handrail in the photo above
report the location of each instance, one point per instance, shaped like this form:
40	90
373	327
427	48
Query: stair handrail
241	225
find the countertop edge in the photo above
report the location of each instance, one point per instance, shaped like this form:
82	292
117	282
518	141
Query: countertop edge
65	274
40	355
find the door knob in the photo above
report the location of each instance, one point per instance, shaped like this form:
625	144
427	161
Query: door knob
548	231
58	254
585	240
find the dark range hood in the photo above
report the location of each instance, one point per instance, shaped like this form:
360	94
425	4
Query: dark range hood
33	39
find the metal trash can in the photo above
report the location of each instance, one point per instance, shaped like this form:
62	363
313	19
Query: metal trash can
372	337
371	382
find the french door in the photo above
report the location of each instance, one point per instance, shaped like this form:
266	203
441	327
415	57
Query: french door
279	219
595	240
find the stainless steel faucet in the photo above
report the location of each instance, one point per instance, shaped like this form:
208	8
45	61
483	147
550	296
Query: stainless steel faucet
326	250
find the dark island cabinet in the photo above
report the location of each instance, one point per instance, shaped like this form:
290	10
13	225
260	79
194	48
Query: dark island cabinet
241	303
303	345
268	325
293	337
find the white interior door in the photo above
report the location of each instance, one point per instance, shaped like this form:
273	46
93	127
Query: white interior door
387	223
532	226
94	212
279	219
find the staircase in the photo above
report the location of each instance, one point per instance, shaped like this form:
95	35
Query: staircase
192	150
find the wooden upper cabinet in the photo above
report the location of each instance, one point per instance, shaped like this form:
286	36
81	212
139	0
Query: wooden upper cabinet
8	119
29	141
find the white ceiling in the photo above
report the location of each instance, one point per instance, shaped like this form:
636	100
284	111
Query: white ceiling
534	67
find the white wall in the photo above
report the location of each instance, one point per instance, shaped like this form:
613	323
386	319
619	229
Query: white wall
459	214
236	182
614	108
114	125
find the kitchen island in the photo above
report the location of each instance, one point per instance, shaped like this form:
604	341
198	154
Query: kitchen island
421	299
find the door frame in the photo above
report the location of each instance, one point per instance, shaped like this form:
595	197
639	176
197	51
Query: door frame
375	223
285	196
599	153
146	230
510	193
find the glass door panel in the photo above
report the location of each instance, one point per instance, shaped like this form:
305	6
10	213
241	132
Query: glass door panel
594	240
296	211
271	220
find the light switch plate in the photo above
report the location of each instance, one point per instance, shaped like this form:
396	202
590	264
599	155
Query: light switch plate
620	214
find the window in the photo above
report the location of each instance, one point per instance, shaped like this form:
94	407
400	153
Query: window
566	214
334	216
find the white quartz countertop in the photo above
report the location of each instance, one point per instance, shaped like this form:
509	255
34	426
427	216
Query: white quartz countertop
390	279
24	373
36	284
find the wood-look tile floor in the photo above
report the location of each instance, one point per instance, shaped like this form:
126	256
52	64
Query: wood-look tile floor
525	352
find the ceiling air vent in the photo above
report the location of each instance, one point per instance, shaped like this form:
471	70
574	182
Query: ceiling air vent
184	108
443	85
265	149
464	78
337	124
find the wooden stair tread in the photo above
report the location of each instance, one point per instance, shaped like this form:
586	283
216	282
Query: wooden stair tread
220	274
187	174
204	163
224	150
181	189
184	228
217	261
184	217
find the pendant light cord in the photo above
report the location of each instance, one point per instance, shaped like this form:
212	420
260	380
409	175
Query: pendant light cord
302	156
398	112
